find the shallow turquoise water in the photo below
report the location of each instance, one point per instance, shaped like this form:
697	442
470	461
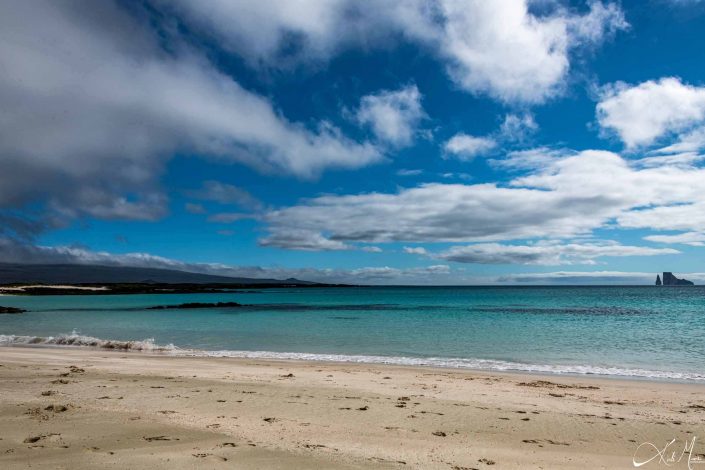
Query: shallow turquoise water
634	331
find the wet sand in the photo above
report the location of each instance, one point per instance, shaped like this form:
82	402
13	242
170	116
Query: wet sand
88	408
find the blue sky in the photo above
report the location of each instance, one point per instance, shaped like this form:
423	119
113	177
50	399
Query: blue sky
443	142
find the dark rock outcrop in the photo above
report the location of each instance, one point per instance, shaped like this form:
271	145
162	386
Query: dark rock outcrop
196	305
11	310
670	280
658	280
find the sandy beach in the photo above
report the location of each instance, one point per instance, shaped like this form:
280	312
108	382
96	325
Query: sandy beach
87	408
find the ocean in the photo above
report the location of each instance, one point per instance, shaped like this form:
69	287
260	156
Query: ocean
638	332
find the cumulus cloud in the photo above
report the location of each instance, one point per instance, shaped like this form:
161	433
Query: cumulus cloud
641	114
392	115
93	107
567	196
417	250
502	49
546	253
498	48
466	147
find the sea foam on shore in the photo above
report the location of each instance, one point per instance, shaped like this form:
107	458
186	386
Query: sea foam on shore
148	345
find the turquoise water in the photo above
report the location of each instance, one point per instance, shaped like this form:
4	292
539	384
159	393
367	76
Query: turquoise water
626	331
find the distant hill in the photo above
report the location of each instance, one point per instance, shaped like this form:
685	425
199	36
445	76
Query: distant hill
98	274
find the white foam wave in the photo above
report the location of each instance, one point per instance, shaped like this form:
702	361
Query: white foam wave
148	345
76	339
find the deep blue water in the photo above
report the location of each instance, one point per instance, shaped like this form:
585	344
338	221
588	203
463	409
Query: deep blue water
634	331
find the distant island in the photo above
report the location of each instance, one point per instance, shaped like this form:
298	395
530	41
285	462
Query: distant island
670	280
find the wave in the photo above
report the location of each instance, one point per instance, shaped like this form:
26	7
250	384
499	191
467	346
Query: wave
148	345
76	339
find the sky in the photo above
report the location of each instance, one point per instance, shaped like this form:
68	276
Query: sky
376	142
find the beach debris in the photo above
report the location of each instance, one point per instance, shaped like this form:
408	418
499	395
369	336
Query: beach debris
48	393
439	433
487	461
287	376
32	439
270	420
364	408
159	438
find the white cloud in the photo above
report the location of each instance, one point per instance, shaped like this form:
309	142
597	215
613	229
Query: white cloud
500	48
563	197
497	47
678	216
303	240
530	159
93	107
417	250
643	113
372	249
687	238
392	115
518	127
466	147
546	253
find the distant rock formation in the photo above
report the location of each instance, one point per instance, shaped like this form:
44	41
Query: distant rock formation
11	310
658	280
670	280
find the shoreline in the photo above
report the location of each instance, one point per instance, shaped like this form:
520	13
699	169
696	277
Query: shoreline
142	409
147	346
